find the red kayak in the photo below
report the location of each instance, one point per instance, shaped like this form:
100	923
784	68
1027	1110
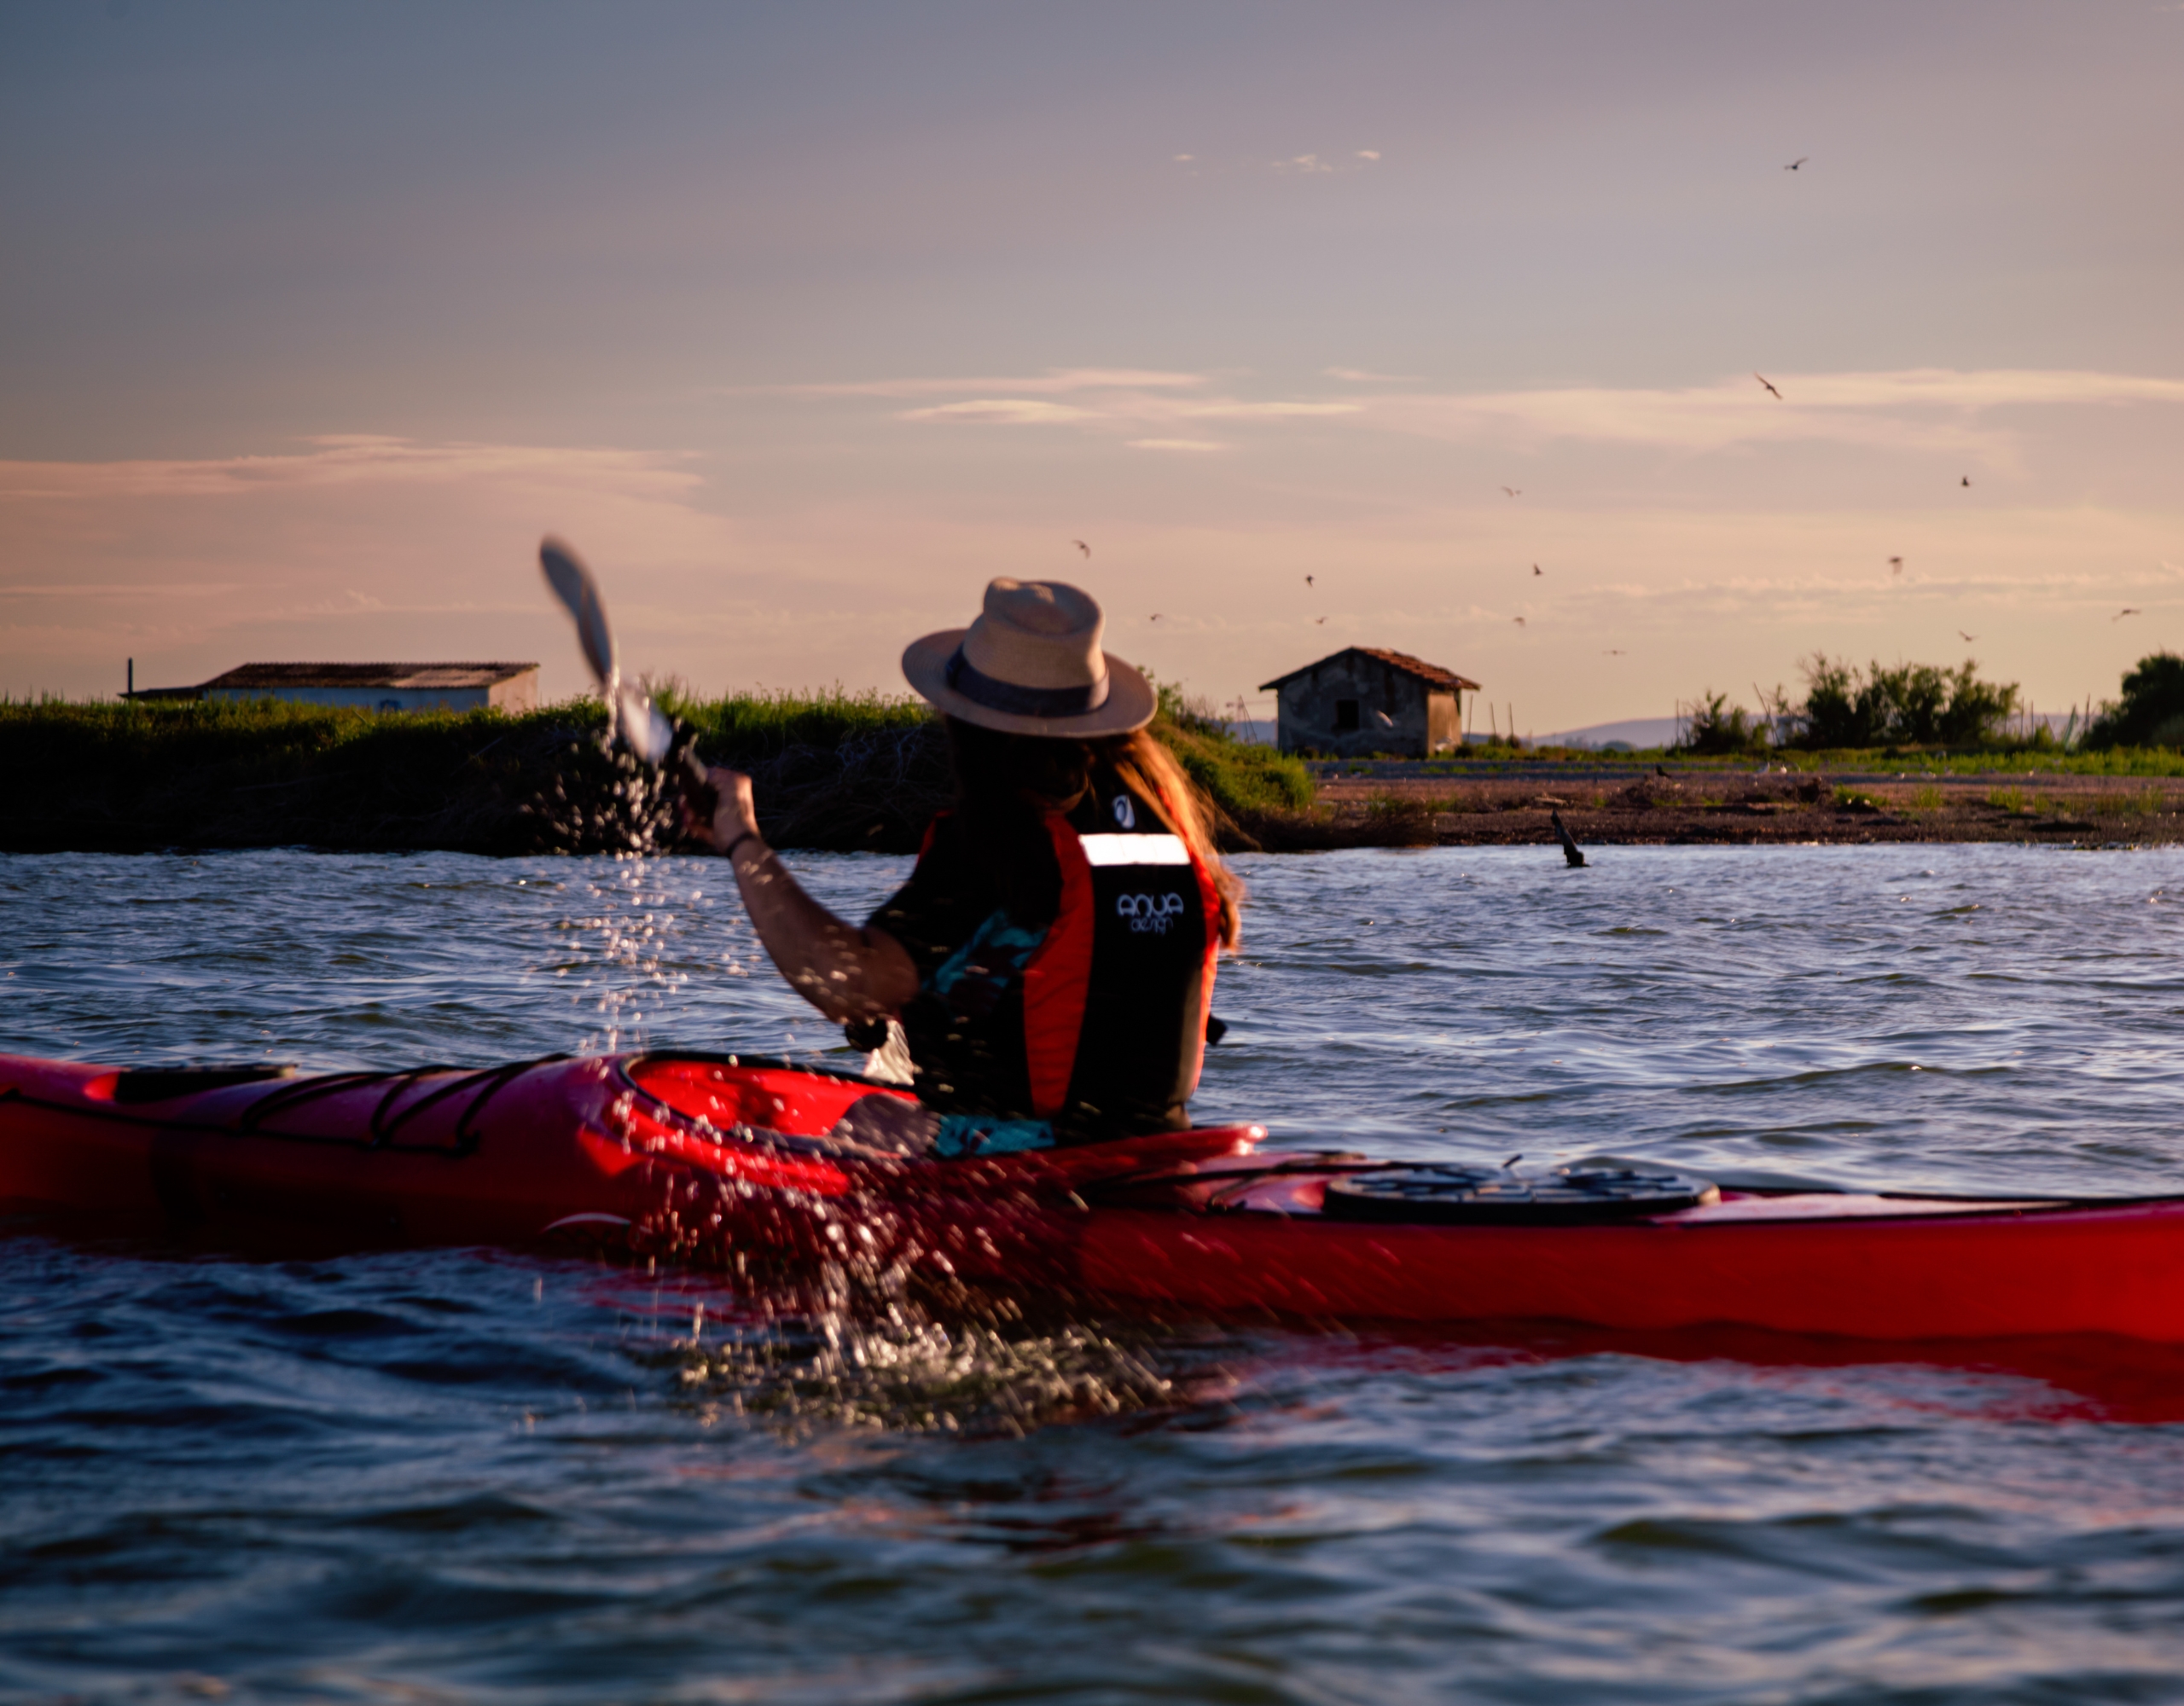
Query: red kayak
716	1160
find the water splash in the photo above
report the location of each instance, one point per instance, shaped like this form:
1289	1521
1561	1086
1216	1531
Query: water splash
903	1370
621	789
644	933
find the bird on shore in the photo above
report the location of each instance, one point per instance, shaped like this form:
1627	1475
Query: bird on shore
2127	610
1769	383
1082	546
1513	492
1968	639
1895	565
1797	162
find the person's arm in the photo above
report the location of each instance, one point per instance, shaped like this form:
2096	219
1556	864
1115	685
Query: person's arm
847	973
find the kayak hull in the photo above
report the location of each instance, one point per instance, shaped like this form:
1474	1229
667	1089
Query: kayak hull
717	1162
2043	1271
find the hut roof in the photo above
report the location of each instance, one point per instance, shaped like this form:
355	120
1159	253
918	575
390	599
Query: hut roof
1431	674
424	676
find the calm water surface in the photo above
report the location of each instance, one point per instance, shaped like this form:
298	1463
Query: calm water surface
483	1476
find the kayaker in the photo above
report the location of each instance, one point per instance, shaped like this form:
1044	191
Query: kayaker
1051	958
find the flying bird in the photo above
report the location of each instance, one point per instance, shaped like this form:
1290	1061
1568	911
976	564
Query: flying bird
1308	580
1966	480
1895	565
1617	652
1797	162
2126	610
1513	492
1320	621
1082	546
1968	639
1771	392
1155	616
1519	621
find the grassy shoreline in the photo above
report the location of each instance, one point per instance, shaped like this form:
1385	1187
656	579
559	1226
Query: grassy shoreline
834	772
844	772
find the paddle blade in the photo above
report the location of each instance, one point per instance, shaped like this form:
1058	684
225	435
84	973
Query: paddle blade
640	726
580	594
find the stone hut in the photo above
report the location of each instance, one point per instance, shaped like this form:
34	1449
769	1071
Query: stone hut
1365	699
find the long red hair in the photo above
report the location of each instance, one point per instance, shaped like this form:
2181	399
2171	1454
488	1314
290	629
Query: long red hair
1006	784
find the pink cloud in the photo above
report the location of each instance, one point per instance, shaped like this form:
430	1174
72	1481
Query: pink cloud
1053	382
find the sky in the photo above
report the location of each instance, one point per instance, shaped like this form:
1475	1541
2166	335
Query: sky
1439	327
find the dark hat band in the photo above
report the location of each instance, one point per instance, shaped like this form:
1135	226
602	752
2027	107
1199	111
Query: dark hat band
967	679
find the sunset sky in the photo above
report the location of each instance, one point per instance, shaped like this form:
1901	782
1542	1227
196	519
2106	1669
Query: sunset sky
801	321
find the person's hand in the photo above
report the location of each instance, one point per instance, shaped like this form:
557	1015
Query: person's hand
736	815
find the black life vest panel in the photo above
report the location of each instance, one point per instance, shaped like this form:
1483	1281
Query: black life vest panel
1101	1029
1117	996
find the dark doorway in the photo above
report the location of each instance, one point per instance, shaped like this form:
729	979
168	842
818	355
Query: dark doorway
1346	716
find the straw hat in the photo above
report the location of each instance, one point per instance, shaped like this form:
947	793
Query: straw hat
1032	665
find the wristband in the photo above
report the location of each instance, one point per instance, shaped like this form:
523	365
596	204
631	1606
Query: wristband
728	851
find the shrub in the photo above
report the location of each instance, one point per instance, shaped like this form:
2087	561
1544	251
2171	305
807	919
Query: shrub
1714	726
2151	713
1910	705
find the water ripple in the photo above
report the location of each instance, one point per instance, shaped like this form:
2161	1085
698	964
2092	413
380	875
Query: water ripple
458	1475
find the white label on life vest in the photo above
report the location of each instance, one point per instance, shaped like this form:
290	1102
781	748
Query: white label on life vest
1134	850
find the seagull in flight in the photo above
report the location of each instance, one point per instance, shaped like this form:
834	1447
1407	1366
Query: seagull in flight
1520	622
1895	565
1968	639
1308	580
1082	546
1537	570
1617	652
1771	392
1966	480
1797	162
2127	610
1155	616
1320	621
1513	492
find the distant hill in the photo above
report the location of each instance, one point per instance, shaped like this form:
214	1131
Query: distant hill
1637	731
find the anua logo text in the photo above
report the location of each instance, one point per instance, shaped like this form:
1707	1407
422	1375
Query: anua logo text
1154	913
